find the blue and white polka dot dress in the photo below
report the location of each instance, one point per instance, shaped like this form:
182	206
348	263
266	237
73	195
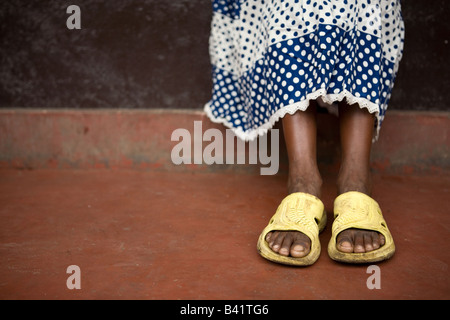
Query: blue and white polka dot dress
271	57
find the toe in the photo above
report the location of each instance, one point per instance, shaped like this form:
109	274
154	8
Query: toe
286	245
368	241
345	242
300	248
270	238
381	239
376	241
359	243
276	240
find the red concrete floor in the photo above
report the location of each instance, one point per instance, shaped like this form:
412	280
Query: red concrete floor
166	235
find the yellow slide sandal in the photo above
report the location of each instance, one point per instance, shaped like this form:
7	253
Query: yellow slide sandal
358	210
301	212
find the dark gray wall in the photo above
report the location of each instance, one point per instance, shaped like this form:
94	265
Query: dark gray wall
154	54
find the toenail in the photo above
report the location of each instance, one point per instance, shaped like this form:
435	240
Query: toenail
299	248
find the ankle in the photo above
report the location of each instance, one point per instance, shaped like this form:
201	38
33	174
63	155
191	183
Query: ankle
360	181
307	182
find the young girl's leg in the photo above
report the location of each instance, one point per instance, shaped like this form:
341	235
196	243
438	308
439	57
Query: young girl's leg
356	129
300	132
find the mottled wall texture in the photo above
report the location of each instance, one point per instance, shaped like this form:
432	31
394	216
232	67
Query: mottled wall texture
154	54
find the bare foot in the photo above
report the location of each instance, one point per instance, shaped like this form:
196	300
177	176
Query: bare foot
294	243
289	243
359	241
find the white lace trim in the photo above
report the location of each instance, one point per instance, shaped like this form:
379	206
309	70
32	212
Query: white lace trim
328	99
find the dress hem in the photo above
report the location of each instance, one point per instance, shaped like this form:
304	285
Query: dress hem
328	99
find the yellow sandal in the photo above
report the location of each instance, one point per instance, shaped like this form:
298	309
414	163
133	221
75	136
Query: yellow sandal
358	210
297	212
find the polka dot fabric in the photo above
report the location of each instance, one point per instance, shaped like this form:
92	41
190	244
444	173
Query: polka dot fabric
271	57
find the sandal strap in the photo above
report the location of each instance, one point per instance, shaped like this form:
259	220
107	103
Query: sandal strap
299	212
357	210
